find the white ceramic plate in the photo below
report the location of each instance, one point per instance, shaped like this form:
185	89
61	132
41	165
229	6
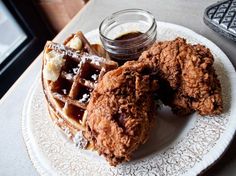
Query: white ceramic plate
177	146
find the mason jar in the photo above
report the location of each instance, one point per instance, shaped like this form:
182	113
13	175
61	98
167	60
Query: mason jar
127	33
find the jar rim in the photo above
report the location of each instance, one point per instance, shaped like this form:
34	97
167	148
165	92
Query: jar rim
125	11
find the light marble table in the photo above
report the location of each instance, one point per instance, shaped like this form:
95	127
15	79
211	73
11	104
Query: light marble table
14	159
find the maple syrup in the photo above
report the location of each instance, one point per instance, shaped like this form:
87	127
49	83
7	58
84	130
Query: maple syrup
127	33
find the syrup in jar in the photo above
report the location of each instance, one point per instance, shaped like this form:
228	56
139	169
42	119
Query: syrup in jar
127	33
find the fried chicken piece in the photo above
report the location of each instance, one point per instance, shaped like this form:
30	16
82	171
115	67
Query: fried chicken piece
121	112
188	80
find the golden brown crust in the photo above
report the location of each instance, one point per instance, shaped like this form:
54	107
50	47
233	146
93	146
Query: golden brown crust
120	113
187	71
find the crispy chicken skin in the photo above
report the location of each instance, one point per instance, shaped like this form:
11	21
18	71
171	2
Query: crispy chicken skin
188	81
121	112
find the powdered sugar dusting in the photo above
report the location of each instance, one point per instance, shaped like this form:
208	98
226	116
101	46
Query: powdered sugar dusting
80	140
67	131
64	91
69	76
76	70
64	50
85	98
93	59
94	77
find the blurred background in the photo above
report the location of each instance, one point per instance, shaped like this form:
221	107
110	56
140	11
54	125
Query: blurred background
57	13
25	26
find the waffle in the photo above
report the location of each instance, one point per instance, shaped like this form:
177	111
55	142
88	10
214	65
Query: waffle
69	75
78	41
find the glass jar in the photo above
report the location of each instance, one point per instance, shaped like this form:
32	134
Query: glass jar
127	33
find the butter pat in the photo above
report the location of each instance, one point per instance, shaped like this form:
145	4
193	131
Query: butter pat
75	43
54	63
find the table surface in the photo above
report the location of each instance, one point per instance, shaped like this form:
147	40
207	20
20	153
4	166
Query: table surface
14	159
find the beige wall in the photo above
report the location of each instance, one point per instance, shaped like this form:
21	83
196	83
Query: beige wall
59	12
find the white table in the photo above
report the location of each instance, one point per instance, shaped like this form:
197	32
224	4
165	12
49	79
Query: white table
14	159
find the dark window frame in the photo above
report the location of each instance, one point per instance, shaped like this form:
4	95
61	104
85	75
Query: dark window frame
37	31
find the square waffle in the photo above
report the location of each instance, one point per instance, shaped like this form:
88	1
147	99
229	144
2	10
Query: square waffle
69	76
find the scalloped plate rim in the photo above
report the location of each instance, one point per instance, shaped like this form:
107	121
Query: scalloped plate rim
45	169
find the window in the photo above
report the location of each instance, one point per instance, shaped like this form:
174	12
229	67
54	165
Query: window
12	35
23	35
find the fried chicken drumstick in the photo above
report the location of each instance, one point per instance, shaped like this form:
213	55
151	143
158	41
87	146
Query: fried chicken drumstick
120	112
188	81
